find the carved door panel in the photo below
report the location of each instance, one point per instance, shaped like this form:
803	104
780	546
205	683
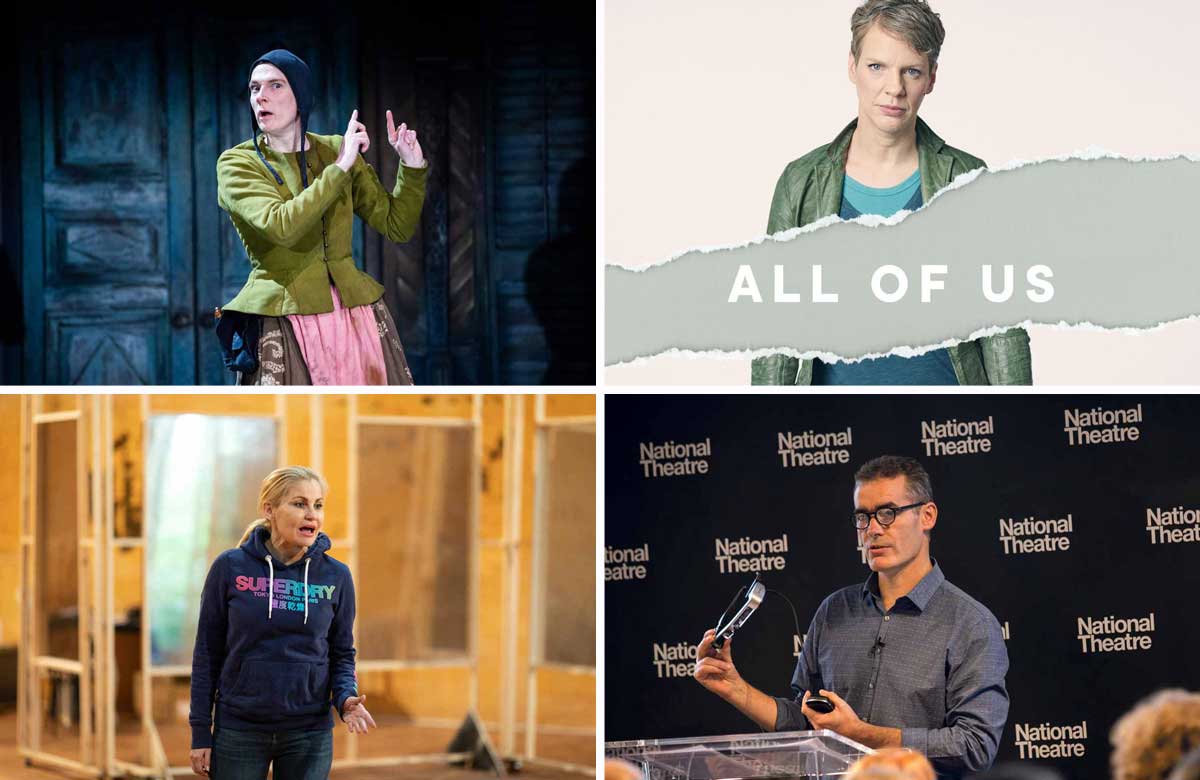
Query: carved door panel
222	56
107	193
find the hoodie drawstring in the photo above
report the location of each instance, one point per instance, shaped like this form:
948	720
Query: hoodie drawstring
270	586
306	562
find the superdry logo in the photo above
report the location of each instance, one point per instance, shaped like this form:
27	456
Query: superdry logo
957	437
1102	426
738	556
674	459
1115	635
673	660
1159	524
810	448
1046	740
626	563
1031	535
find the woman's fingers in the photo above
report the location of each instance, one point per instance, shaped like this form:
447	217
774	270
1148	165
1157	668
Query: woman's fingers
391	126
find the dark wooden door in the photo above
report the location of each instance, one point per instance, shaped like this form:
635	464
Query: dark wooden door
106	193
125	251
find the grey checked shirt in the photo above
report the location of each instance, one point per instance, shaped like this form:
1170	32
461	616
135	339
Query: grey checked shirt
932	667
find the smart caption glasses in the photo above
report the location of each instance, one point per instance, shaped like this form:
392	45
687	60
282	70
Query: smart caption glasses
885	515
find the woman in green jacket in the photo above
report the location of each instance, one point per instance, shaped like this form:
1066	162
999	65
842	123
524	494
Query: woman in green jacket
307	314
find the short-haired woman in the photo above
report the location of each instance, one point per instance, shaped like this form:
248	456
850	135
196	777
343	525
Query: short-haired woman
274	646
887	160
307	315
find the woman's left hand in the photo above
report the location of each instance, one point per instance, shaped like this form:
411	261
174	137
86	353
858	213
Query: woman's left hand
355	714
404	141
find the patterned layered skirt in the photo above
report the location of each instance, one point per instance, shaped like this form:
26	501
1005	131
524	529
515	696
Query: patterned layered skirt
348	346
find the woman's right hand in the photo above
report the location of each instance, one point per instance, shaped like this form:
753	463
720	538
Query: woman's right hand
715	670
200	761
355	142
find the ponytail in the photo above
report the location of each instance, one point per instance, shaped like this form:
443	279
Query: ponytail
259	523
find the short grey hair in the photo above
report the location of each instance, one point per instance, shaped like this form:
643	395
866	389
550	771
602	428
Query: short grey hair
912	20
916	478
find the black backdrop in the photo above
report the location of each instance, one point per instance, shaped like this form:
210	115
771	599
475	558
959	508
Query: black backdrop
1114	565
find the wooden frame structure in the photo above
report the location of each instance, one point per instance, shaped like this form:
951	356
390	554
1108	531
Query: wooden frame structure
90	670
471	661
536	658
152	744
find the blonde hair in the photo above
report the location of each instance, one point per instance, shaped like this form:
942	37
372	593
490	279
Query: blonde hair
275	486
892	764
1150	739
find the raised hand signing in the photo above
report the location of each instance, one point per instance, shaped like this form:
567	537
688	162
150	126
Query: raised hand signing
354	142
404	141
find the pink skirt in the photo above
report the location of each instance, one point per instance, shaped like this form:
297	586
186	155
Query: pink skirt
347	346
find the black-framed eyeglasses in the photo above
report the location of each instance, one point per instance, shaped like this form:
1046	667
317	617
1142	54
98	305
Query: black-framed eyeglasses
886	515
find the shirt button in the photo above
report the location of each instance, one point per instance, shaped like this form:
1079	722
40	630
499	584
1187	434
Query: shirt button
872	685
887	617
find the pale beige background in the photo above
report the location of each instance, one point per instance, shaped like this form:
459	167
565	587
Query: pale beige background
705	103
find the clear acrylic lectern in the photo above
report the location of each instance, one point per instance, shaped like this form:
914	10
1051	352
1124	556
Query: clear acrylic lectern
809	754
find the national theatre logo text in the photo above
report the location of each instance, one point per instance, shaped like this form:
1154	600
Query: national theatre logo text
1031	535
674	459
1160	522
810	448
1115	635
626	563
1046	740
738	556
957	437
674	660
1102	426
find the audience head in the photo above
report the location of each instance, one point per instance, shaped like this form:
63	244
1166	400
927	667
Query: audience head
892	764
1150	739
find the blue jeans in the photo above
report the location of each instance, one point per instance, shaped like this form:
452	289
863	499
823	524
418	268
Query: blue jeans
245	755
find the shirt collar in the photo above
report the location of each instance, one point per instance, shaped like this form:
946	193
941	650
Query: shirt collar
921	593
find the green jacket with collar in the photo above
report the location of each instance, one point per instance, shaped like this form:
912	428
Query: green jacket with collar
811	188
298	239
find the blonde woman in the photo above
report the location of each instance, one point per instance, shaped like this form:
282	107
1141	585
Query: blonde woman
274	647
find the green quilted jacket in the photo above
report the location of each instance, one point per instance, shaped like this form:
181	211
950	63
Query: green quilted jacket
298	239
811	188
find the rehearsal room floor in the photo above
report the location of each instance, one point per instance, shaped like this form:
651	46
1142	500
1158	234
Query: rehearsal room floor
389	739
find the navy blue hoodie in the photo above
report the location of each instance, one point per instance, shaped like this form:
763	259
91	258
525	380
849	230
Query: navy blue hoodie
272	663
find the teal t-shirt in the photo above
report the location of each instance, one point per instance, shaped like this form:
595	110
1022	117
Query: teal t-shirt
933	367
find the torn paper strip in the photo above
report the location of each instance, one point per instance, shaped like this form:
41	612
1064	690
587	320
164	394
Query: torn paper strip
1095	239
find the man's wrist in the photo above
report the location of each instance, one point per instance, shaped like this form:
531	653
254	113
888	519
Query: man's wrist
873	736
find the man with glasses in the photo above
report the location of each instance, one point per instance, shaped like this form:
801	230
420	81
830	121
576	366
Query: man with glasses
906	658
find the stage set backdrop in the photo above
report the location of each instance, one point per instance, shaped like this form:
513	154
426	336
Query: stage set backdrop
114	252
1074	519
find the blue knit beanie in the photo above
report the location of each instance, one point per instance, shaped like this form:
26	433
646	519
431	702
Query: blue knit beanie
300	79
